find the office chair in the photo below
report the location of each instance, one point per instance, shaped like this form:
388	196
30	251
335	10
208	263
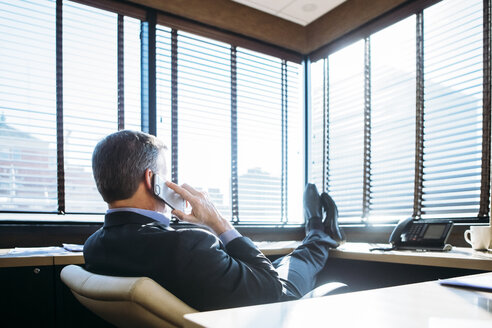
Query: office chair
126	301
140	301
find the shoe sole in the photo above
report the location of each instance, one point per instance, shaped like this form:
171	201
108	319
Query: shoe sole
328	202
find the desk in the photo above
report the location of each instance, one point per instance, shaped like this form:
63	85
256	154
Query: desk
459	257
425	304
38	256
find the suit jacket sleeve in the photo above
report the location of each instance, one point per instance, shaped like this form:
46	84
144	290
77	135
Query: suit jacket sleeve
211	276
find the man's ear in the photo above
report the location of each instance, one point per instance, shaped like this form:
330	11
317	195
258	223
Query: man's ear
148	179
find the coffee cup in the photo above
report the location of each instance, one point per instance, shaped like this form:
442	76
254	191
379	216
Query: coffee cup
479	237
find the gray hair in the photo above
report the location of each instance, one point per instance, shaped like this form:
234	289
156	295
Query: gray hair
119	162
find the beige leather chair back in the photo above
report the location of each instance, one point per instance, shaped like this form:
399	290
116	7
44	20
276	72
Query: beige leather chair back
126	301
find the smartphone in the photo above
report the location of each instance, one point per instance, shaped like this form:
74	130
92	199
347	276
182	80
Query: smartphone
169	196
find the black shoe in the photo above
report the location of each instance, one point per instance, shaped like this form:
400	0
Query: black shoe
313	212
331	219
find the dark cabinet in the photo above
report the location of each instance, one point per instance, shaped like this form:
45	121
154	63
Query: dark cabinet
35	296
27	296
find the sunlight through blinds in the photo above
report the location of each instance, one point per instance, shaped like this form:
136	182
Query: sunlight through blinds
259	136
453	108
28	171
89	98
346	132
204	122
393	66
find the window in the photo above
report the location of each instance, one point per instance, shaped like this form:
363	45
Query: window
393	120
89	97
231	107
263	123
397	119
231	117
453	77
346	128
28	171
204	119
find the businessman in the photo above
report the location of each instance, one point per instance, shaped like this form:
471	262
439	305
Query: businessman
209	268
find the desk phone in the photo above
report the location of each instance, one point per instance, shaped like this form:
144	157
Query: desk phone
424	234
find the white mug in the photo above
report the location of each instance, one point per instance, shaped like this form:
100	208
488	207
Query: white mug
479	237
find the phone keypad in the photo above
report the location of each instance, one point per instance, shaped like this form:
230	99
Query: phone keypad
415	231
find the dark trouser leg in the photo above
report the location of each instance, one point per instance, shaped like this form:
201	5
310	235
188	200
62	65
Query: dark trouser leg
299	269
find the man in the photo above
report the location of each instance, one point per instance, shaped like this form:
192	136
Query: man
205	270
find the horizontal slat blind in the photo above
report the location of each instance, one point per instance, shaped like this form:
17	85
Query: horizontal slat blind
89	95
453	108
97	97
163	85
295	144
317	127
204	120
259	137
132	73
346	133
27	106
393	121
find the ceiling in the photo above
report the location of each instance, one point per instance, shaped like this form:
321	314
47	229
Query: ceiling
301	12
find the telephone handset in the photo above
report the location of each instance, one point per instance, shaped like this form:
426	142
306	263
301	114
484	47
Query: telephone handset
169	196
421	234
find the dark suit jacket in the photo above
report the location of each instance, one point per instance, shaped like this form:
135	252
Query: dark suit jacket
191	263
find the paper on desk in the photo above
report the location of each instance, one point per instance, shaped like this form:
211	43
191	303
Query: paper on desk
483	283
36	251
73	247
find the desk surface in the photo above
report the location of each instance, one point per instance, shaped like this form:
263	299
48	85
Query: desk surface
38	256
459	257
425	304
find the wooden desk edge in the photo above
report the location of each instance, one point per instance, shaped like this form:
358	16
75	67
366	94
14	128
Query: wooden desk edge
77	258
434	259
414	259
10	262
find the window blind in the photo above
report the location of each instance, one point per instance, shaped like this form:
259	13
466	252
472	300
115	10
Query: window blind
420	153
295	143
453	34
393	66
89	97
204	121
259	119
346	130
163	86
319	76
27	106
214	101
131	54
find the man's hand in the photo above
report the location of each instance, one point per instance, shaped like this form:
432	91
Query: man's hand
203	210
